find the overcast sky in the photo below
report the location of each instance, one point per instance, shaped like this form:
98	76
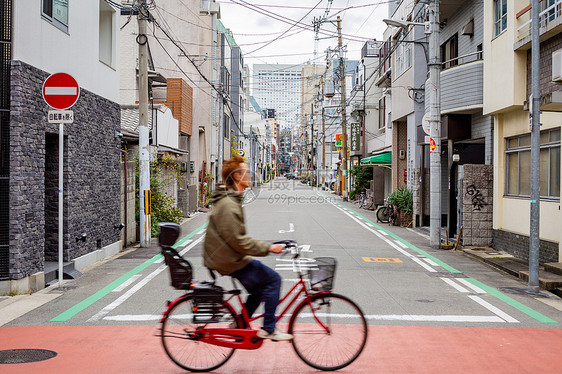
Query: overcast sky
252	30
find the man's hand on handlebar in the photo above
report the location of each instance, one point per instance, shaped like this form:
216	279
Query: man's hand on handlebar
276	248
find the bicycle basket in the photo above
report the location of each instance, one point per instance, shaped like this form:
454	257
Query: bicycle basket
207	302
322	279
181	272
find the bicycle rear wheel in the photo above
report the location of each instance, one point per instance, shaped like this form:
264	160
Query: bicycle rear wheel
336	344
181	340
382	214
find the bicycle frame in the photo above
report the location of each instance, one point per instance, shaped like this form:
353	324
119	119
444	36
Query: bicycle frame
246	338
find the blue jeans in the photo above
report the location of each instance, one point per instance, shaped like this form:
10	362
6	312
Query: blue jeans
262	284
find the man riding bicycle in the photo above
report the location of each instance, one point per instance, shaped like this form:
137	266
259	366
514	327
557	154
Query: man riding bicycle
229	250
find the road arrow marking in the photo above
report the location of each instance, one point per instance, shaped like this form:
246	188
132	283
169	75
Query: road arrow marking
291	229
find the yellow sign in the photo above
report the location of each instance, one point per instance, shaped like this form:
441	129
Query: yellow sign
377	259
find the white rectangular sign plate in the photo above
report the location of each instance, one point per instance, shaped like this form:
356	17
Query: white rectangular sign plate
61	116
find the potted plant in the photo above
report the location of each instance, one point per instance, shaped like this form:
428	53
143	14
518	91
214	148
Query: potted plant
403	200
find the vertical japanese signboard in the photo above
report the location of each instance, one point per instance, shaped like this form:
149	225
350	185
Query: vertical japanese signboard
355	137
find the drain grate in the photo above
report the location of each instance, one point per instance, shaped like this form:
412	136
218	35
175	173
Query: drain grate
525	291
445	274
22	356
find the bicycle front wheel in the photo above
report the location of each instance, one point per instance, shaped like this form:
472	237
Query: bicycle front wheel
382	214
182	341
330	332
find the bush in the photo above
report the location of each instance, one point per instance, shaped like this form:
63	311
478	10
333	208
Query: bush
163	206
362	176
403	199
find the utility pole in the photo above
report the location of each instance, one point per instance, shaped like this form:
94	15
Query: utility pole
343	114
435	128
144	154
323	134
535	112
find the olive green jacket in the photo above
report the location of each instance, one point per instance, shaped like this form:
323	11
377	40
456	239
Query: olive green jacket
227	248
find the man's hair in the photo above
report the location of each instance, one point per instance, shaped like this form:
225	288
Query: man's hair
231	167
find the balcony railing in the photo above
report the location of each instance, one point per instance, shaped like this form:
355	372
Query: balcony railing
461	60
547	16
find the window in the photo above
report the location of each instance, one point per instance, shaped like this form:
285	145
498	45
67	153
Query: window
403	57
518	164
500	16
450	51
56	12
226	127
382	112
106	32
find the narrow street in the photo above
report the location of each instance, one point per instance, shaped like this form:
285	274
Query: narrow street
429	311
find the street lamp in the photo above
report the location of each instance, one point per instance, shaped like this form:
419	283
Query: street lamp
432	28
404	24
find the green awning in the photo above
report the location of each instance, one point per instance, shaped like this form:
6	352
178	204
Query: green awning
382	158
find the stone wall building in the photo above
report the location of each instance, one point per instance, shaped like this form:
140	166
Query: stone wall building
48	41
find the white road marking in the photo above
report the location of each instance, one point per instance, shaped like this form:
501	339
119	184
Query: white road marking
470	285
493	309
429	261
296	265
381	231
127	283
121	299
376	317
500	315
401	244
291	229
453	284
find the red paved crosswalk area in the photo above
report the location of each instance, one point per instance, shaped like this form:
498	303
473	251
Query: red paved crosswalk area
390	349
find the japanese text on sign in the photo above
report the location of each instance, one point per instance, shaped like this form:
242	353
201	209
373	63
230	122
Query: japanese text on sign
61	116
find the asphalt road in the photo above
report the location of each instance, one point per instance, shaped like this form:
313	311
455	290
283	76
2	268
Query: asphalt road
391	273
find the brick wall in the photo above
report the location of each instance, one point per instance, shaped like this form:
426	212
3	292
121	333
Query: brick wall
180	99
518	246
477	200
91	175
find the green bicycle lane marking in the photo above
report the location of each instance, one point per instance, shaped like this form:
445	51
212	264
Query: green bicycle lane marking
68	314
490	290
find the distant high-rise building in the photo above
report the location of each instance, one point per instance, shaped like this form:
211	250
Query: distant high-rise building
278	86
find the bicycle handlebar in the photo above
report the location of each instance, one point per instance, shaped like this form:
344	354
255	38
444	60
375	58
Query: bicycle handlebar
291	246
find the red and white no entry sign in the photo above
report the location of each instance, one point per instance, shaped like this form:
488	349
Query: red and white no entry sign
61	91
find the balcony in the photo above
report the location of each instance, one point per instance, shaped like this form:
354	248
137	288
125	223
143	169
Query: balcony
550	23
461	85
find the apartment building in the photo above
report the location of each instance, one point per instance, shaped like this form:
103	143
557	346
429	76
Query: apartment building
368	112
507	74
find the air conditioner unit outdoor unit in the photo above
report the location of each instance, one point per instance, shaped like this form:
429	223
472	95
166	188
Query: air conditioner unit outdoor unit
557	66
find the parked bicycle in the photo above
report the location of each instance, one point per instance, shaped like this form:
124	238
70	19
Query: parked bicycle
201	329
387	213
365	201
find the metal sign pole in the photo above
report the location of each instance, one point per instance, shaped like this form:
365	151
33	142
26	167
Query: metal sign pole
61	204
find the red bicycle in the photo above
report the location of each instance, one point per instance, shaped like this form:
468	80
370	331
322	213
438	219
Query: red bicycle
201	329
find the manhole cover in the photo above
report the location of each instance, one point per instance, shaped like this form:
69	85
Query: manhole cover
22	356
